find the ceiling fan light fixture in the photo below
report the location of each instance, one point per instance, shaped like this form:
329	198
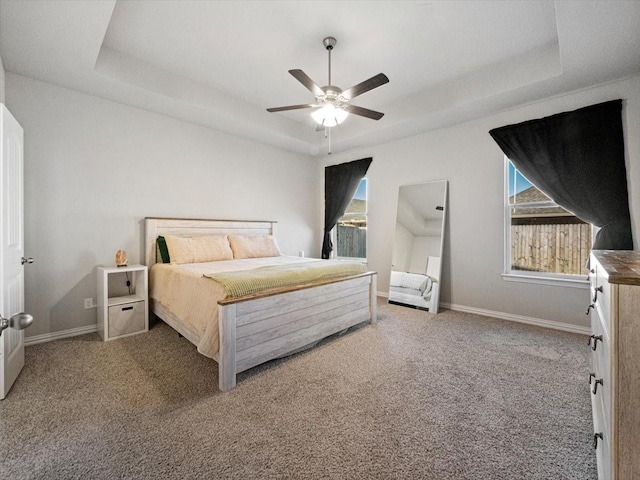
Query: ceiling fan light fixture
329	116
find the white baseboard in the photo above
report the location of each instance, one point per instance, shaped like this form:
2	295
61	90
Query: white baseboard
539	322
48	337
566	327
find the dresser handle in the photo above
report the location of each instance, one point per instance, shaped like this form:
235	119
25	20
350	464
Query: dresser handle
595	385
595	295
591	377
589	308
595	440
595	341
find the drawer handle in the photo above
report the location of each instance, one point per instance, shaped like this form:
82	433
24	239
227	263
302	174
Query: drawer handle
595	440
127	308
591	377
595	294
595	385
595	339
589	308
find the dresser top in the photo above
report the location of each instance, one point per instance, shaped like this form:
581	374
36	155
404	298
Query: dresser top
621	266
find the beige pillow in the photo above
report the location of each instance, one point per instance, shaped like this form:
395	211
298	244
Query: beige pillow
211	248
254	246
180	250
208	248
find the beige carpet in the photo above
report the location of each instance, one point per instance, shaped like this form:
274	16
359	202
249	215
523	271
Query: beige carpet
417	396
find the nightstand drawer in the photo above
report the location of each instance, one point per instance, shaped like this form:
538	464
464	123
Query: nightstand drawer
126	319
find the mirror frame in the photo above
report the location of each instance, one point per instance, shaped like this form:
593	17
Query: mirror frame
434	299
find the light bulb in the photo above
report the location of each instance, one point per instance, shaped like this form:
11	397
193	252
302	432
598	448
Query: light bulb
329	115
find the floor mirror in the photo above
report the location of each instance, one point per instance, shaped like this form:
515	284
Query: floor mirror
417	246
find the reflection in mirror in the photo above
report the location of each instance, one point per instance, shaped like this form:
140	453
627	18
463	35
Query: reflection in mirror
417	246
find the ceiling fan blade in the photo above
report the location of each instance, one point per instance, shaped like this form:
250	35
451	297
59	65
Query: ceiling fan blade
292	107
364	112
365	86
305	80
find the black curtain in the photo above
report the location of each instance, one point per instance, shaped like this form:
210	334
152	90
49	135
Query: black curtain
577	159
340	185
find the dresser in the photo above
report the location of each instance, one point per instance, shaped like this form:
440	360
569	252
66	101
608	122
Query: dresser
614	379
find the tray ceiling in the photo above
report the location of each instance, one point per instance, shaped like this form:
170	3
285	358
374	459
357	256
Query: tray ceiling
221	64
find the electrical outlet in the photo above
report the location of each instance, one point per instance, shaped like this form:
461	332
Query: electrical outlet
88	303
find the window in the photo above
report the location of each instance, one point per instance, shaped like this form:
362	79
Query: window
541	238
351	229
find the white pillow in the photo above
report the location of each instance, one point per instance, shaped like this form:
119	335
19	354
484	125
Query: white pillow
254	246
426	286
211	248
396	279
412	280
207	248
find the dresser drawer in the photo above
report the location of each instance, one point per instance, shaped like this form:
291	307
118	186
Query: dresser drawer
603	448
601	292
601	363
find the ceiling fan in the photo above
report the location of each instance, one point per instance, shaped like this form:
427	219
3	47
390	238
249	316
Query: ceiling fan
332	103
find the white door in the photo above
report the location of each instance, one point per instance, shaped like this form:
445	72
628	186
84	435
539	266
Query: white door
11	247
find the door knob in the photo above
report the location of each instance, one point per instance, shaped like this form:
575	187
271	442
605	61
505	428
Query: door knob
19	321
27	260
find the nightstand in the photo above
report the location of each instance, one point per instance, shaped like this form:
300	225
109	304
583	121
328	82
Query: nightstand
122	301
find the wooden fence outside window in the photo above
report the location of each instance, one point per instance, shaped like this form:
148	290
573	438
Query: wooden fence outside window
352	241
559	248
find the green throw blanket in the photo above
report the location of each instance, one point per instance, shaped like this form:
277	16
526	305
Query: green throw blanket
247	282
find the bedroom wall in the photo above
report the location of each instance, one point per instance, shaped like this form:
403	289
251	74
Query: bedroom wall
467	156
94	169
423	247
403	240
419	255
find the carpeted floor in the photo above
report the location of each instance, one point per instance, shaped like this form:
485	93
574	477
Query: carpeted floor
417	396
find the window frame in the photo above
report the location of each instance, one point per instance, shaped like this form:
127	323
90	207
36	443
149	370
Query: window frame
334	230
525	276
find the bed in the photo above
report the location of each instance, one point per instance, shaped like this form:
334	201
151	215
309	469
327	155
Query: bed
415	289
242	331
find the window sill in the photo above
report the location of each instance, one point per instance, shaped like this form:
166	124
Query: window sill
574	282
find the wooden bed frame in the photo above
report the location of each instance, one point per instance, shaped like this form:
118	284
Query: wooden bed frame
260	327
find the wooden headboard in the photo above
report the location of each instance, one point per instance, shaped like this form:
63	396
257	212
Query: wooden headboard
189	227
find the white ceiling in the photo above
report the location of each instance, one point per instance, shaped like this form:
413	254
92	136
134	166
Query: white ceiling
222	63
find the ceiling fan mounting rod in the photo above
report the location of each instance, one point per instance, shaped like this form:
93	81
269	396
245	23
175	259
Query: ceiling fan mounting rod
329	67
329	43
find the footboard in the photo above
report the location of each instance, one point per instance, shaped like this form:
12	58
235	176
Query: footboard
257	329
